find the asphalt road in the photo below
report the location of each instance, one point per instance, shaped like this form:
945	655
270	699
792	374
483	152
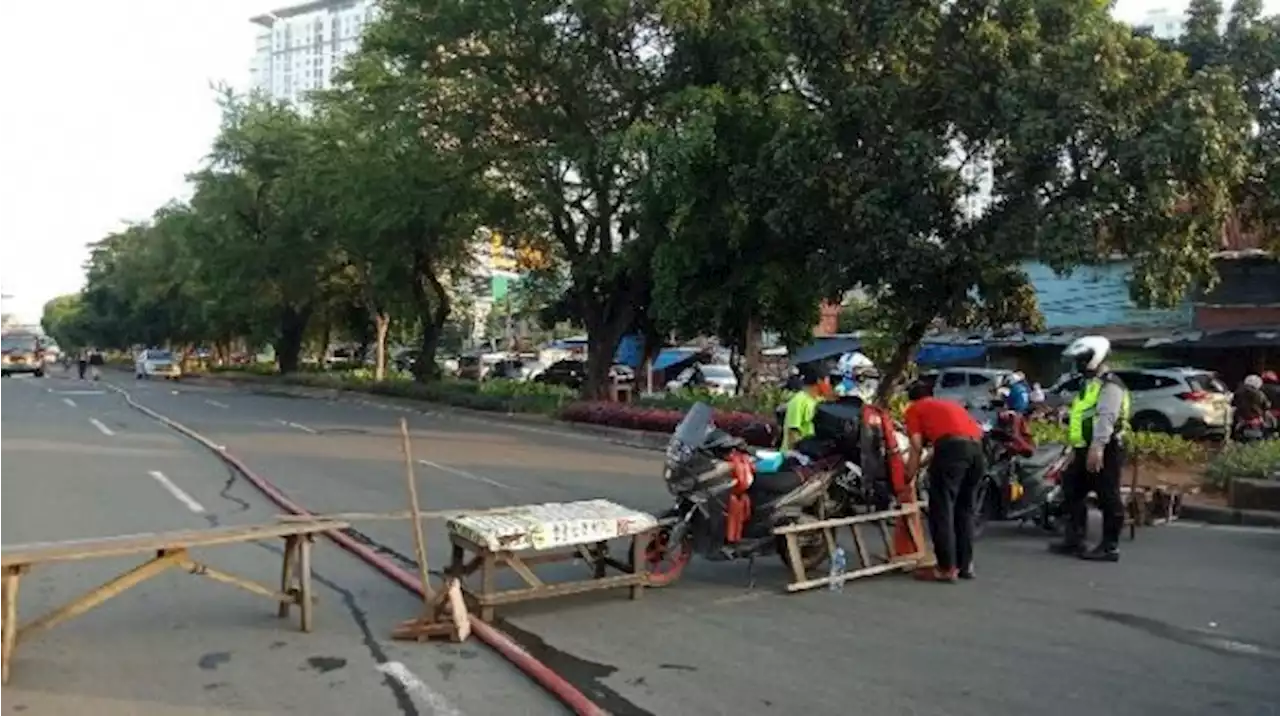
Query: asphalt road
79	463
1188	622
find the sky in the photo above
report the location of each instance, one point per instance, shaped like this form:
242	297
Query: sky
108	106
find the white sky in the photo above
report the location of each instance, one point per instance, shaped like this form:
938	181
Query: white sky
107	106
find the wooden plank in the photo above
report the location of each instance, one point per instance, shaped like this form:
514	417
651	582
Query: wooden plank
844	521
305	603
24	554
217	575
393	515
12	577
97	596
511	596
856	574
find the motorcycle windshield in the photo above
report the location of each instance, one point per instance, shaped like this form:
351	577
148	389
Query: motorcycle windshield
689	434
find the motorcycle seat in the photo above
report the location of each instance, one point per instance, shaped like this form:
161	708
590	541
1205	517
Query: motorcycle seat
771	485
1043	455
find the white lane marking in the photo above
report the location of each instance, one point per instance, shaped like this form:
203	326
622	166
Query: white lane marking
297	426
77	392
436	703
69	402
466	475
101	427
177	492
216	404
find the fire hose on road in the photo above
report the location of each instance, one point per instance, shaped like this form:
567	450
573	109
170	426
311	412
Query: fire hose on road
543	675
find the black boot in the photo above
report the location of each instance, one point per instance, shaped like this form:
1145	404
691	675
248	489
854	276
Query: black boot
1102	553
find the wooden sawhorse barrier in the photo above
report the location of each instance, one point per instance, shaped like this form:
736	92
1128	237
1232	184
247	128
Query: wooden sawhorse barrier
171	550
905	518
525	536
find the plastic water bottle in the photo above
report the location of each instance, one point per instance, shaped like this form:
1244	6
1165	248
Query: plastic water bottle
837	570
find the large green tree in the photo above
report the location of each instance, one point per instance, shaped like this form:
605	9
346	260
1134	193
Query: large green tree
555	90
721	266
949	142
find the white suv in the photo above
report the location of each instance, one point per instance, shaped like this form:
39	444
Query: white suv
1190	402
971	387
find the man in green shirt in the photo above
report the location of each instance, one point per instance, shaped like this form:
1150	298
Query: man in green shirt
801	410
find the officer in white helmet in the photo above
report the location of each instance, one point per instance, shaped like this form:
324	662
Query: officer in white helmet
1099	419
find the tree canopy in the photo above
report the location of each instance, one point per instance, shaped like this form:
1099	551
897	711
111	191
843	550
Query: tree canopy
708	168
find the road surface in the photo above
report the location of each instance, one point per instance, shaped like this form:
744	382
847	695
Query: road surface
1188	623
79	463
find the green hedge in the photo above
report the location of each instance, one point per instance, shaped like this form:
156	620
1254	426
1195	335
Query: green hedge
1260	460
1148	448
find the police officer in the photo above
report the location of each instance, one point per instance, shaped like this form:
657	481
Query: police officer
1099	419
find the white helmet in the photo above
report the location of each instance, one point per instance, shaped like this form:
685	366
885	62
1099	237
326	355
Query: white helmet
1253	381
1087	353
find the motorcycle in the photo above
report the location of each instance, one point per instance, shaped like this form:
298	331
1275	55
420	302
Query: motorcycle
1022	482
727	510
1257	429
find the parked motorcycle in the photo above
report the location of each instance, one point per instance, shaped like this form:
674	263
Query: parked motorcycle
1257	429
725	509
1022	483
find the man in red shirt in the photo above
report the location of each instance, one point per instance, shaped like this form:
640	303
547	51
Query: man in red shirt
955	470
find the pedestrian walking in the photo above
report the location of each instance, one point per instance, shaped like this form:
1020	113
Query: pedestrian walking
955	470
1097	423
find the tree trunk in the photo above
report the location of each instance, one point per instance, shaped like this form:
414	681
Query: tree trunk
892	374
293	325
326	335
602	345
432	302
381	322
749	373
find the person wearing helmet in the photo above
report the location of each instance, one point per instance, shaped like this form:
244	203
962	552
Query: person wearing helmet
1098	420
956	468
1250	402
1271	386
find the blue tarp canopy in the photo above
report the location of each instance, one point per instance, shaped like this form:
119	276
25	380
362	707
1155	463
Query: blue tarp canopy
671	356
942	354
825	348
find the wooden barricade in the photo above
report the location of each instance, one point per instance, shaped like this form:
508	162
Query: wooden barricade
1148	506
171	550
526	536
898	557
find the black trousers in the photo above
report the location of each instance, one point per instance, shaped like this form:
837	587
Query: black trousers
82	366
955	470
1078	482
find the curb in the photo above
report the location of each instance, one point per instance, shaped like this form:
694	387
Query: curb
639	439
1214	515
544	676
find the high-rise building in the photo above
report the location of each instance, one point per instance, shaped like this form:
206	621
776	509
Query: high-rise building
1165	23
300	47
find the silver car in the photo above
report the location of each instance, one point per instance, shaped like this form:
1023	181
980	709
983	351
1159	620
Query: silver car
1190	402
972	387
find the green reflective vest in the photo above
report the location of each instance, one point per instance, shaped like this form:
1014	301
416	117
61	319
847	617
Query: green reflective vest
1085	406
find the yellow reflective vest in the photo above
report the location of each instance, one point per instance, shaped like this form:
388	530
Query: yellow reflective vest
1085	406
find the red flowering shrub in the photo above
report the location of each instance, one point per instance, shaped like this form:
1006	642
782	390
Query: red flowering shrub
755	429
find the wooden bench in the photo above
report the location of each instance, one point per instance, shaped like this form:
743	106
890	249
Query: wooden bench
896	559
172	550
521	537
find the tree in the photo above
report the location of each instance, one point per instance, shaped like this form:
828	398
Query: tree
261	200
554	89
721	267
1088	141
65	319
408	195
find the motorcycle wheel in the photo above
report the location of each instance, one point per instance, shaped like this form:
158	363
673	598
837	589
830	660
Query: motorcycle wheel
813	548
984	507
664	565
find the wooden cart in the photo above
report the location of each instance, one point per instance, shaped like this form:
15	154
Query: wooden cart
525	536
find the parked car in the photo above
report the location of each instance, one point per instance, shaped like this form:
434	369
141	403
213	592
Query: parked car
515	369
971	387
21	353
154	363
1190	402
715	378
572	372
